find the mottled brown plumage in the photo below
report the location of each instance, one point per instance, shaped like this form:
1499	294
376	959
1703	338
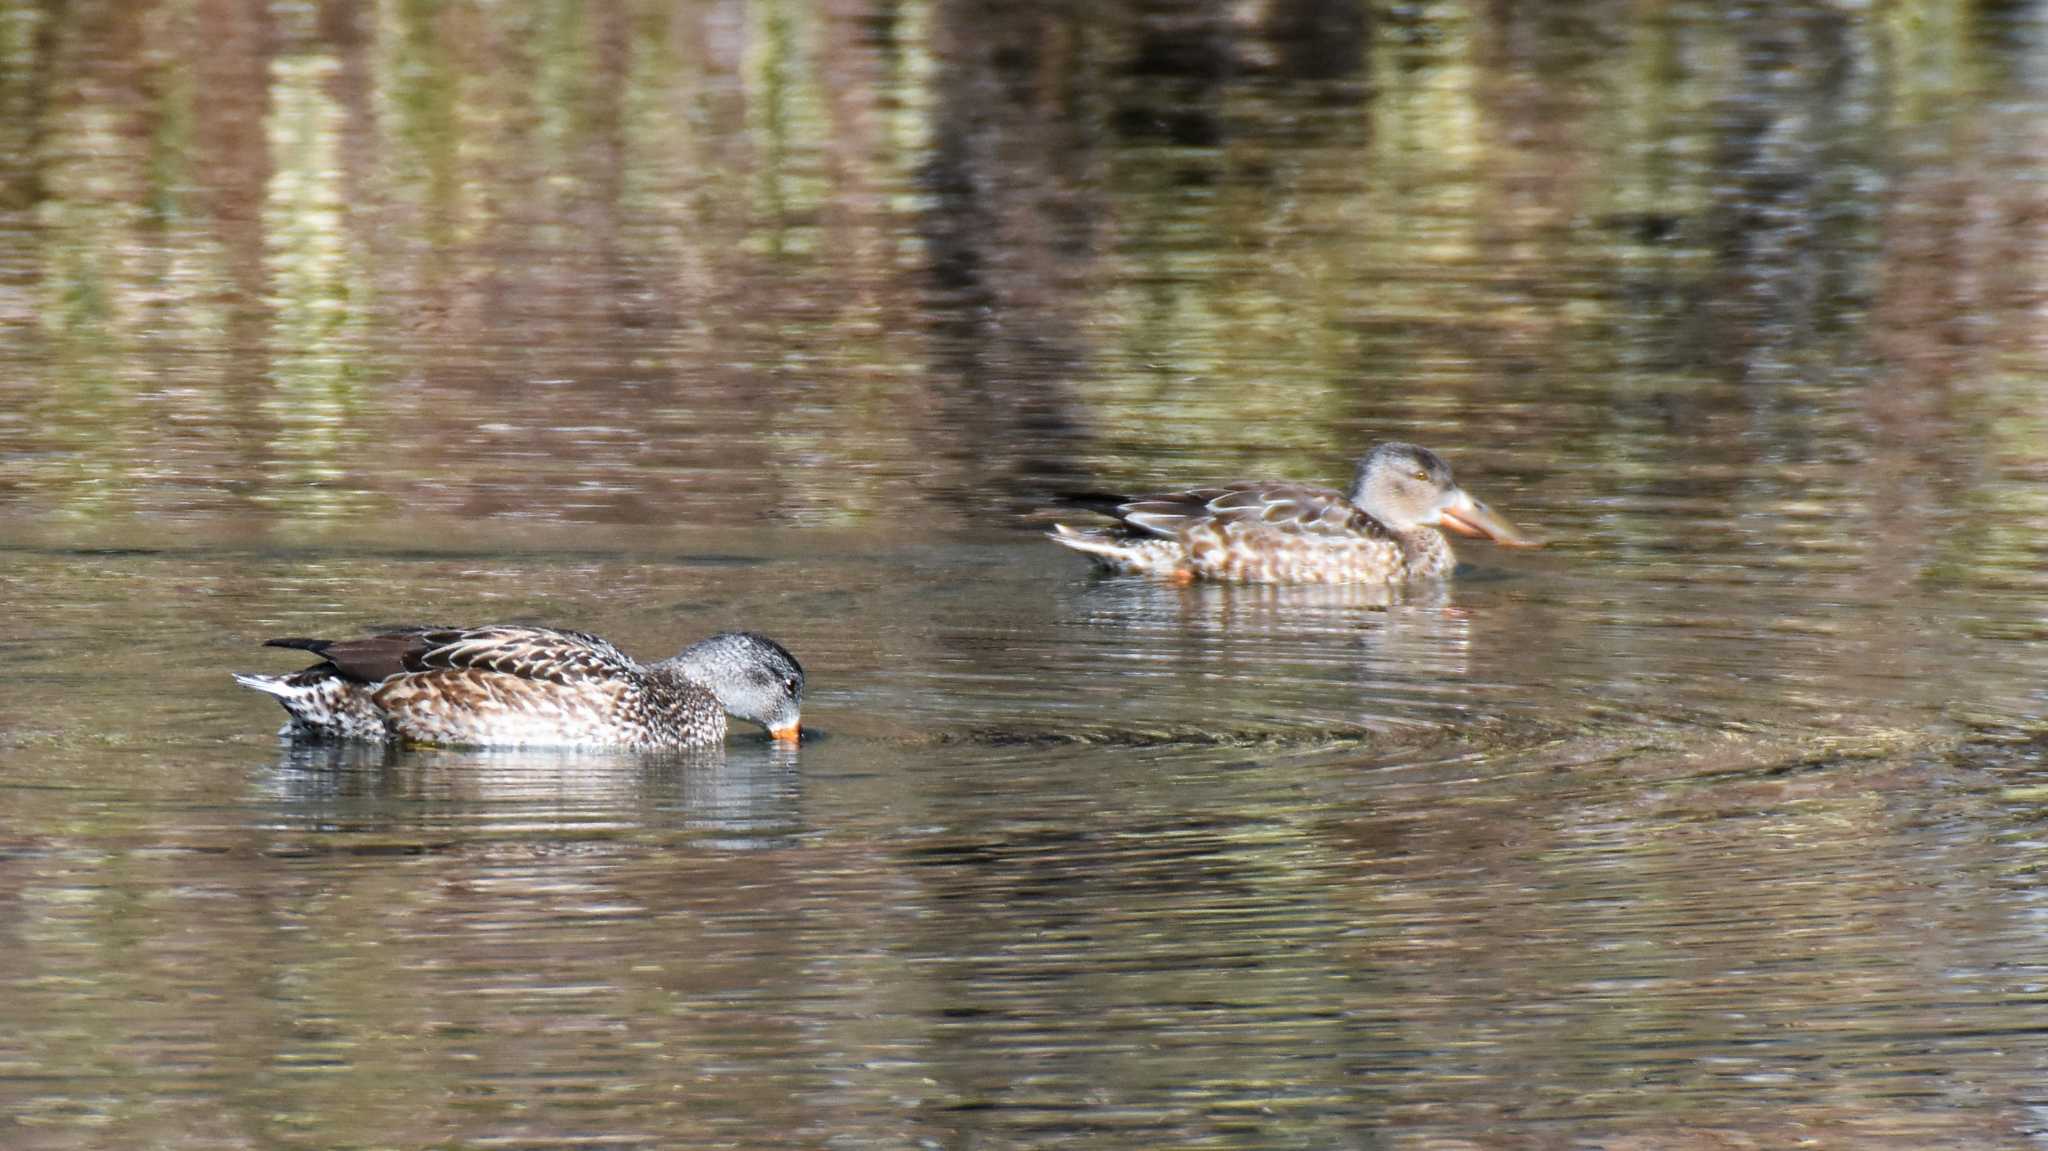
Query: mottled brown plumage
1385	530
522	685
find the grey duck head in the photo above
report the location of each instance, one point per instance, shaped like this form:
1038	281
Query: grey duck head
753	677
1406	487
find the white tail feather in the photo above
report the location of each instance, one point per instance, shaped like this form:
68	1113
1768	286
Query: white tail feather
267	684
1092	543
1121	552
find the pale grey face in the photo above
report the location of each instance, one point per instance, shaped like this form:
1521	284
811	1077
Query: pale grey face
1407	487
1404	486
754	678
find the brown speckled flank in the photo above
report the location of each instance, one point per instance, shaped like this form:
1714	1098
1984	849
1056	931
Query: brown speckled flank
533	686
1385	530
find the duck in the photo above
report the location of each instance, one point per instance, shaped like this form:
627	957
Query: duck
1388	529
529	686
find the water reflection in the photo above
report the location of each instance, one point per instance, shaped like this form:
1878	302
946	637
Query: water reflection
742	797
1025	244
1307	650
1709	826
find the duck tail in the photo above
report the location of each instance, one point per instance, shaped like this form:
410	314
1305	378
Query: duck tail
322	704
1112	550
276	685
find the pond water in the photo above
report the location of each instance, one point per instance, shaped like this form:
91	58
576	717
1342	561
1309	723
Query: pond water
1712	824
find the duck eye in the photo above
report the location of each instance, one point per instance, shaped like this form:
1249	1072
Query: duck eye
1423	476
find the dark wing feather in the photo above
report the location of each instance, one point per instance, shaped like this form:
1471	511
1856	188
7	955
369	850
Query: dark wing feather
1105	503
367	660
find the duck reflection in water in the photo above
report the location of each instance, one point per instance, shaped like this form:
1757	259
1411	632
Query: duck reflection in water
742	796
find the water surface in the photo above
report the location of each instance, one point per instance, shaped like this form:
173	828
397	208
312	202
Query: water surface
1713	824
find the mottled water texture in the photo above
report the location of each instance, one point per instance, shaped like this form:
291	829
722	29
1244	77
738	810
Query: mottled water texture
1716	824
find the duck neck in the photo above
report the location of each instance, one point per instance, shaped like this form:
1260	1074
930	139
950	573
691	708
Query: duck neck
1426	553
682	691
672	671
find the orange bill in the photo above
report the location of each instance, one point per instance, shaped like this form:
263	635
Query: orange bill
1469	517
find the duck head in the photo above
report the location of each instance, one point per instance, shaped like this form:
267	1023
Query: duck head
1406	487
753	677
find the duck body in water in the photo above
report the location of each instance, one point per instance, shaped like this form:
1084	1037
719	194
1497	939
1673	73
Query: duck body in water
1387	529
518	685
